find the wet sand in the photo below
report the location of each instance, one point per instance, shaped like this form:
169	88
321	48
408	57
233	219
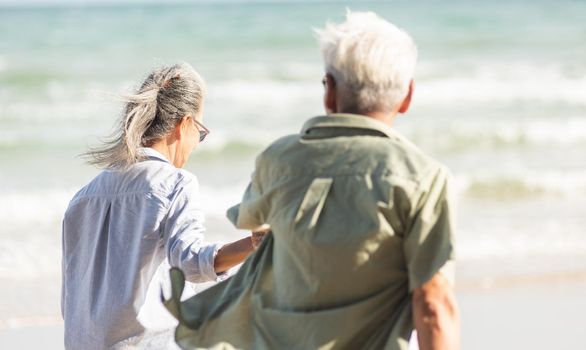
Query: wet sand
526	312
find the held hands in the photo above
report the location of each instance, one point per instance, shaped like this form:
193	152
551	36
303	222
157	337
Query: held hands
258	234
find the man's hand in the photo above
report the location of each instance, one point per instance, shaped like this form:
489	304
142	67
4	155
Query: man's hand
436	315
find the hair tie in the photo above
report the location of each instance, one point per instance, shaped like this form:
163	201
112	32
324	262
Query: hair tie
167	83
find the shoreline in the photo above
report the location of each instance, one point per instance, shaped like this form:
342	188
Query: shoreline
545	279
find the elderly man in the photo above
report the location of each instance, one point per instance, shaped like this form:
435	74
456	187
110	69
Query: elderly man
361	250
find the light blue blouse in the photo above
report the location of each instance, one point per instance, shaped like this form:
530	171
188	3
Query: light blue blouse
117	230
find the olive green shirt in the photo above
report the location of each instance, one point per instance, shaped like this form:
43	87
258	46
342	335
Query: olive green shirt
360	217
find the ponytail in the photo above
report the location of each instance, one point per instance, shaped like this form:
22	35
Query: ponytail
140	113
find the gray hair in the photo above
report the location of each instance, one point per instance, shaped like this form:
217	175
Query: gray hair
372	61
168	94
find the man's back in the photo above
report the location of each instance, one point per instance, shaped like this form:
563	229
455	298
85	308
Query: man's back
346	196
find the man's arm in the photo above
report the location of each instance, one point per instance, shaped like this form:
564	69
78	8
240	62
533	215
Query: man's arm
436	315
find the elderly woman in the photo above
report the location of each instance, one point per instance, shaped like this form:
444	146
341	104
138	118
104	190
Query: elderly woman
141	210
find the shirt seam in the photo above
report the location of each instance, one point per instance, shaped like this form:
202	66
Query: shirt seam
161	194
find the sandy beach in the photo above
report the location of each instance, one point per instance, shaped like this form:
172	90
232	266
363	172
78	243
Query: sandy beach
526	312
537	312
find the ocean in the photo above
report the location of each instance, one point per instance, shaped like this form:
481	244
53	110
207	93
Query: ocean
500	98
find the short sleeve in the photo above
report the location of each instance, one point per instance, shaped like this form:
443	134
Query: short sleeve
252	210
429	242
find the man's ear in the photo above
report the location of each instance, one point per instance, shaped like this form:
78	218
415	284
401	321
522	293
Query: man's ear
407	101
330	98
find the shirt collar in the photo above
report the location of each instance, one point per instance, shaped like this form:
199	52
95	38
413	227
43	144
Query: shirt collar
150	152
346	120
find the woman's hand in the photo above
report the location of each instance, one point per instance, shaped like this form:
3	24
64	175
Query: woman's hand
236	252
259	234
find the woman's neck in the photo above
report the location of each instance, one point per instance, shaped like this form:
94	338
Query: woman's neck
169	150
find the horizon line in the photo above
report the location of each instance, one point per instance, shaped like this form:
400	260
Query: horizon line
36	4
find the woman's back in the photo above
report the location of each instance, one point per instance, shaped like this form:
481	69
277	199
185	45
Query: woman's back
114	238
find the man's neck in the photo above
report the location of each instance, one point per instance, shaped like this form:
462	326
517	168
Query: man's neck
385	117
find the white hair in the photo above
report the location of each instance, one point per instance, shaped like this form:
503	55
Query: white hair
371	60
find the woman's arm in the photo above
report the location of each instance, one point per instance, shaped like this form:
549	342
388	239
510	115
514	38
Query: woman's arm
232	254
236	252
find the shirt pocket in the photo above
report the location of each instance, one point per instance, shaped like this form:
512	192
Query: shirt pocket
312	204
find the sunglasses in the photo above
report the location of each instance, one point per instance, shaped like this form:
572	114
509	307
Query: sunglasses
203	131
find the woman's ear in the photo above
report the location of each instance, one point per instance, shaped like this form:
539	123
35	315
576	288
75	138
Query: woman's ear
182	127
407	101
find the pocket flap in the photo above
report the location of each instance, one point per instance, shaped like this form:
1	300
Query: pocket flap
313	202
